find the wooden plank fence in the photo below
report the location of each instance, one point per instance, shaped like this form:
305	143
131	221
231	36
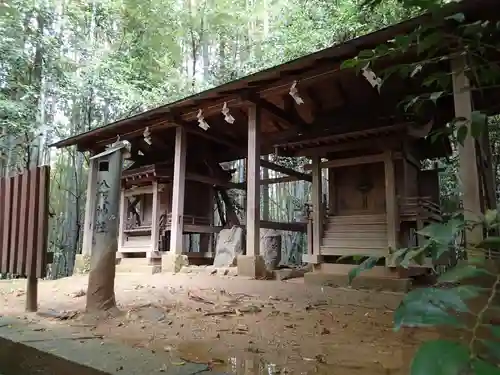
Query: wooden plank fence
24	216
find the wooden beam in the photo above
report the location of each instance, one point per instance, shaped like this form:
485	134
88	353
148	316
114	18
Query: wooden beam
276	112
207	134
367	159
123	215
378	144
155	221
253	185
176	231
220	210
270	181
317	206
288	171
213	181
469	175
391	206
231	216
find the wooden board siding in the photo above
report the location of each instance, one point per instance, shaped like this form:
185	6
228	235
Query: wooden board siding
24	217
350	200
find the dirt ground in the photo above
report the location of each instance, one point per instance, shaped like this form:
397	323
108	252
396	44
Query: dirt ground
238	325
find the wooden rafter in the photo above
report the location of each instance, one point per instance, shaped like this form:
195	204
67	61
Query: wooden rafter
288	171
276	112
212	181
218	138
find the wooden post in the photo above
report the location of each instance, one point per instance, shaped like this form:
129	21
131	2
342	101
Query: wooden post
310	244
391	204
317	205
155	220
331	191
88	227
32	294
123	218
467	153
253	183
179	183
100	290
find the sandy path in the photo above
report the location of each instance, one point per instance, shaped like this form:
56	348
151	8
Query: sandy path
269	326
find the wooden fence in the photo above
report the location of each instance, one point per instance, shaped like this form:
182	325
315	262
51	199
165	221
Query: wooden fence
24	201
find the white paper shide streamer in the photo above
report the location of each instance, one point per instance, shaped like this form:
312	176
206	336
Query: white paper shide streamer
371	77
201	120
227	115
294	93
147	136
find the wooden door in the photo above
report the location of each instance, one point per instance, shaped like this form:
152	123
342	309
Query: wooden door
360	189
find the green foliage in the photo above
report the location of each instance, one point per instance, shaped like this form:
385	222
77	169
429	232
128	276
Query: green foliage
442	305
440	357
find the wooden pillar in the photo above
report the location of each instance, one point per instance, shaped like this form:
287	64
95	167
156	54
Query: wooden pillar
155	220
179	183
331	191
469	177
317	205
253	183
100	291
391	204
123	218
88	226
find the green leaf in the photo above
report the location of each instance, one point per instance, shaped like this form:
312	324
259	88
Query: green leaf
478	124
495	330
436	95
411	103
493	348
440	357
467	292
462	132
402	42
366	54
490	217
412	255
351	63
481	367
459	17
459	273
367	264
429	307
443	233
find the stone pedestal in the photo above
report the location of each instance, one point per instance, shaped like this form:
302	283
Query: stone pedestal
82	264
172	262
251	266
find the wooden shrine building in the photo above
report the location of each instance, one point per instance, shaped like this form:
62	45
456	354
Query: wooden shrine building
371	149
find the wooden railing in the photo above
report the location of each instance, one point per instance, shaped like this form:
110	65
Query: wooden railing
190	219
419	208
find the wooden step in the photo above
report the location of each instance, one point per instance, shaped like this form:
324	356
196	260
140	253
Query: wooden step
358	219
372	235
355	242
355	251
359	228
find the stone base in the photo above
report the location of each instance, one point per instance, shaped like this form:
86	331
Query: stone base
378	278
148	266
312	258
251	266
82	264
171	262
